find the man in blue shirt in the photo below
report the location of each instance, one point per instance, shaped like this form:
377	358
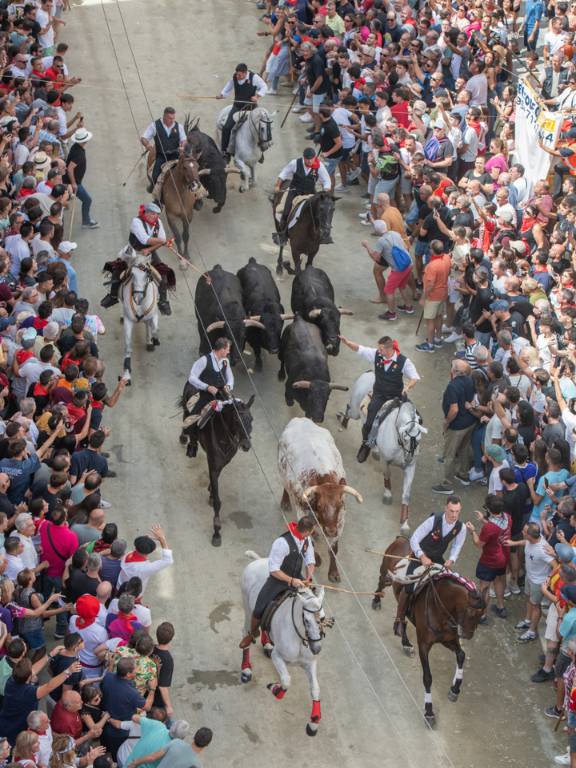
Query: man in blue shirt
121	700
533	12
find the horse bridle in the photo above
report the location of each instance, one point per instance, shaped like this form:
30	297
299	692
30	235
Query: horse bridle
256	129
307	639
133	306
413	444
452	623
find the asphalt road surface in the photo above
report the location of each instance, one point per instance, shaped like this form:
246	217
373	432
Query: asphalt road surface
372	695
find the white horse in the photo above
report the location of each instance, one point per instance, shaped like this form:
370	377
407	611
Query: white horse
296	632
397	441
139	304
253	137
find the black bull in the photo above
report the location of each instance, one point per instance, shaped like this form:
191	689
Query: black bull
227	430
209	159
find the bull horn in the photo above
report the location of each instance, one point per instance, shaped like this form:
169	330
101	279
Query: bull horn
301	385
309	491
217	324
286	317
353	492
314	313
254	317
340	309
233	170
339	387
250	323
204	171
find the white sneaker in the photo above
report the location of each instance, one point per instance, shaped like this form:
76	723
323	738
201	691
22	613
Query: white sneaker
298	110
354	174
453	337
514	589
271	92
445	328
475	475
306	118
492	593
105	504
366	222
364	215
341	188
563	759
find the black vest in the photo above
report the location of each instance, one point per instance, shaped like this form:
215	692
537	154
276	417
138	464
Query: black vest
292	563
211	376
434	544
167	145
389	383
304	183
136	244
243	92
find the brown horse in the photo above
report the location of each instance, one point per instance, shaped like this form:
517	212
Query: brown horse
181	194
442	611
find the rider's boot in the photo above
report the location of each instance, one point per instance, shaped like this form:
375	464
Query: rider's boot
251	637
400	620
163	303
112	297
326	240
192	447
363	453
280	237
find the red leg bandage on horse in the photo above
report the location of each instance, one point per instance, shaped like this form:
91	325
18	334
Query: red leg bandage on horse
277	690
246	664
316	712
264	638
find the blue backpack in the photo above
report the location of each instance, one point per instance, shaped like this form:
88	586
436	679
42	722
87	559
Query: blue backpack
401	258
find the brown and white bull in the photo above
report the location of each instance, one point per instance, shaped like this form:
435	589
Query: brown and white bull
314	480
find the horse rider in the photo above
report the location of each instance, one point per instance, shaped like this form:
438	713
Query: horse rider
167	136
147	235
304	173
248	87
390	369
288	554
213	378
428	543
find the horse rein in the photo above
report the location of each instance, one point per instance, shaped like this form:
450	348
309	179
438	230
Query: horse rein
453	624
307	639
133	306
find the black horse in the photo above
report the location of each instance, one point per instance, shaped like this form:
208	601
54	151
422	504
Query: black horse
227	430
312	228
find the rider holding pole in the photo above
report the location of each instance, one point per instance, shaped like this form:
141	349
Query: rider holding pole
147	235
390	368
247	87
429	542
288	554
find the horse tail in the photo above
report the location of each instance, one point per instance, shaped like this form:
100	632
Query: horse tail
252	555
190	123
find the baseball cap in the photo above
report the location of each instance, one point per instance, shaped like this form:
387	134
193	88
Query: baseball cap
152	208
565	552
496	452
66	246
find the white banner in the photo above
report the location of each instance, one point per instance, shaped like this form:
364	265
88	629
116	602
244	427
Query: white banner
534	124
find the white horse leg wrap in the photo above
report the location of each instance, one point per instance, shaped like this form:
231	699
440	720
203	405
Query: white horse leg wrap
427	698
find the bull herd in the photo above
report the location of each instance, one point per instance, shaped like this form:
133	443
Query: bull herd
246	307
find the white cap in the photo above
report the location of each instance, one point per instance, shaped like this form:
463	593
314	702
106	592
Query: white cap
66	246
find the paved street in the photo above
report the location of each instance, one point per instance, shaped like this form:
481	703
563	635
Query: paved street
372	696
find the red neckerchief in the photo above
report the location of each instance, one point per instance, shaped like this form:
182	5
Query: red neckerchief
39	390
38	323
97	405
292	527
135	557
22	355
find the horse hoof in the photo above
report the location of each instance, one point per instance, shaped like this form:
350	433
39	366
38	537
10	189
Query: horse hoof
376	604
452	696
334	577
183	438
216	539
311	729
217	209
279	271
387	500
430	720
241	189
156	342
149	347
405	527
246	676
408	651
343	419
268	651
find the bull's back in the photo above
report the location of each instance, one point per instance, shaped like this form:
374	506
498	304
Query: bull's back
303	350
307	451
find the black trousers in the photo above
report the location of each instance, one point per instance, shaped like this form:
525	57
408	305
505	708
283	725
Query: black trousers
158	163
271	589
227	129
375	404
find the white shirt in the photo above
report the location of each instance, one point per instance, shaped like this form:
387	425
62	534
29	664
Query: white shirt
15	565
62	122
426	527
150	132
280	549
494	482
553	42
47	39
93	636
199	367
470	138
45	744
343	120
18	250
409	370
144	231
39	245
144	569
290	169
261	87
29	556
524	189
127	746
538	561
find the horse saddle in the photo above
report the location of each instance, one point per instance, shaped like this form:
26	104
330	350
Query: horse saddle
157	191
202	417
295	210
386	408
418	578
272	607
